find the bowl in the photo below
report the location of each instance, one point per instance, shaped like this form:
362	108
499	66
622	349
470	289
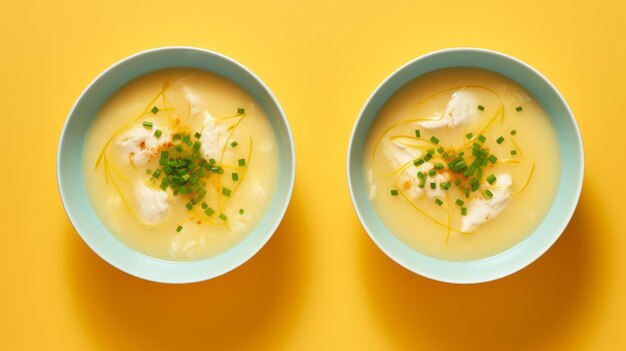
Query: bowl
563	206
72	186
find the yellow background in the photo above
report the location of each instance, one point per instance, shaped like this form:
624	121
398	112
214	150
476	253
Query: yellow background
320	283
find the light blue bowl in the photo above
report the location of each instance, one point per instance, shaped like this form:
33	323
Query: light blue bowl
551	227
72	185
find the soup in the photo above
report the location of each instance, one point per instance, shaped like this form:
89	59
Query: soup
180	164
462	164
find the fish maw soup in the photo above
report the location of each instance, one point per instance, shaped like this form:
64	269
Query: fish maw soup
462	164
180	164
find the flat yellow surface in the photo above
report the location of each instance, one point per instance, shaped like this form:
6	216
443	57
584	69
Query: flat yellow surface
320	283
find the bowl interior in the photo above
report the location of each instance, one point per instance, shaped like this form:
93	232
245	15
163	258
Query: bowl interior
72	186
564	203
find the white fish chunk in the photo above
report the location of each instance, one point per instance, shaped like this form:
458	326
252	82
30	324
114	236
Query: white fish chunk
213	138
460	110
154	204
479	211
139	143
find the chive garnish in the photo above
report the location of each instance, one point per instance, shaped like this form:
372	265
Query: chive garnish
488	193
394	192
518	108
491	179
223	217
500	140
226	191
241	111
242	162
158	133
241	211
418	133
439	202
209	211
481	107
154	110
463	211
419	162
513	132
147	124
197	135
434	139
493	158
148	171
482	138
438	165
433	185
459	202
235	176
469	135
432	172
179	228
234	143
513	152
445	185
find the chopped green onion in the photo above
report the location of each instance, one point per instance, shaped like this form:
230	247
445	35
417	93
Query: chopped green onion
482	138
432	172
223	217
439	202
241	111
154	110
469	135
234	143
438	165
241	211
242	162
459	202
463	211
518	108
458	182
491	179
467	193
189	206
235	176
156	173
493	158
212	161
209	211
500	140
513	132
176	136
158	133
148	171
427	157
488	193
434	139
179	228
513	152
226	191
418	133
433	185
481	107
197	135
394	192
440	150
147	124
204	205
419	162
445	185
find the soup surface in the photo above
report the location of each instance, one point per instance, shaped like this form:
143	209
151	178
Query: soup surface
180	164
462	164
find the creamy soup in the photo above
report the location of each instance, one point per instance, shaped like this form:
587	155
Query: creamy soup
462	164
180	164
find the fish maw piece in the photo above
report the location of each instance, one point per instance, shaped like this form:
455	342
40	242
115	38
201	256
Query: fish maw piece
461	108
154	204
140	144
479	211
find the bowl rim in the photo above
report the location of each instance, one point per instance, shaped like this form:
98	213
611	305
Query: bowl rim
210	274
528	259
